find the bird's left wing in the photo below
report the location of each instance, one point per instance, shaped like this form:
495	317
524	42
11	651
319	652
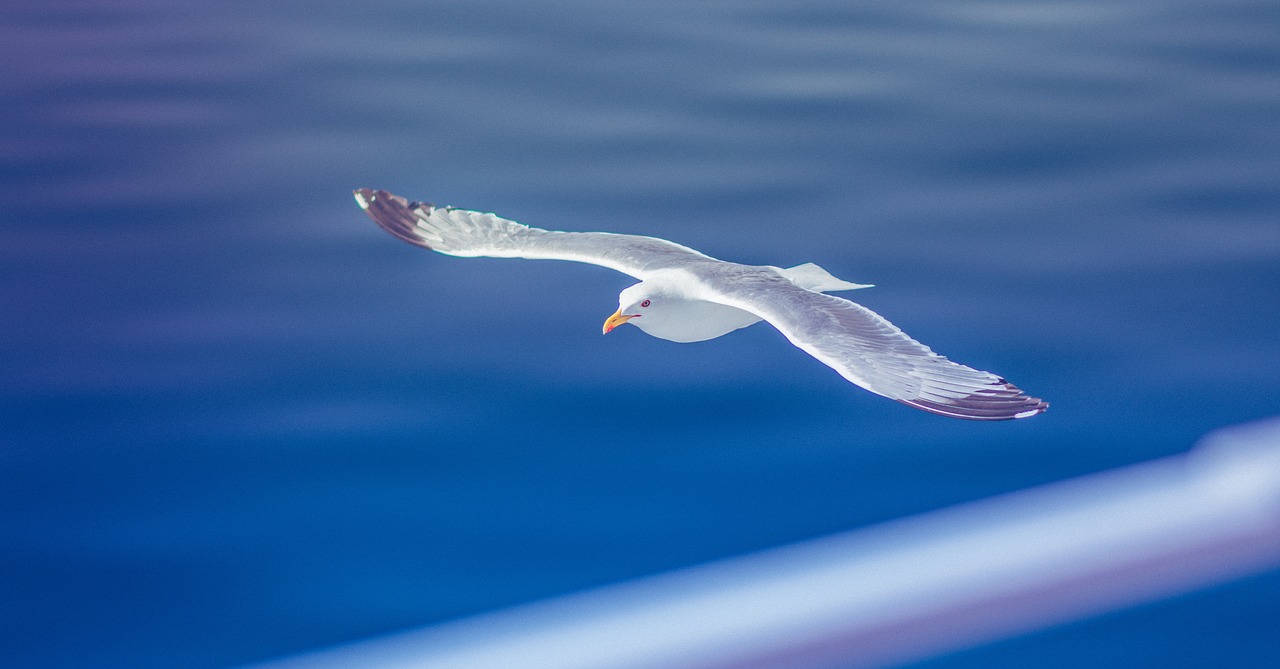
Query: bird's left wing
469	234
865	348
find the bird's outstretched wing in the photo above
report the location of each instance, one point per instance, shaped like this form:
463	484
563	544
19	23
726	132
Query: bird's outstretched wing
867	349
459	232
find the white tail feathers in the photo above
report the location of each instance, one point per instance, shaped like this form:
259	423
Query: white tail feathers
811	277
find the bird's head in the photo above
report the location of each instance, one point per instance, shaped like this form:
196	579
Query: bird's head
634	302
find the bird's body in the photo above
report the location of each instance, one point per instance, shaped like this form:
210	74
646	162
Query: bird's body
682	316
677	316
687	296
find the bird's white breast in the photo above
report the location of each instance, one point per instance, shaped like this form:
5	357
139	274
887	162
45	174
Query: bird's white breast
686	321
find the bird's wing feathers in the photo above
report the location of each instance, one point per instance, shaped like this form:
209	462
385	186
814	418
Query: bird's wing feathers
460	232
869	350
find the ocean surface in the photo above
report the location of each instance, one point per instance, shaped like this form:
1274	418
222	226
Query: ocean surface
238	421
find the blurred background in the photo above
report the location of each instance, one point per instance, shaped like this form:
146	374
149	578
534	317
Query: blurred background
237	420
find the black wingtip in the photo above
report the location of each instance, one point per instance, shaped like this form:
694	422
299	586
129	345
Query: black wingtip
363	196
1004	401
393	213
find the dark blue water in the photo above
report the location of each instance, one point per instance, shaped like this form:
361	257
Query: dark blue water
239	421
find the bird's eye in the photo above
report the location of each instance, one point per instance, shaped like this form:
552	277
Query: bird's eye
645	303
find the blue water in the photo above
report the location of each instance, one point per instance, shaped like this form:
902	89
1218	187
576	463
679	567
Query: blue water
240	421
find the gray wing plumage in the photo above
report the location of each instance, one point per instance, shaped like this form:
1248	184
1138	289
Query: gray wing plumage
460	232
869	350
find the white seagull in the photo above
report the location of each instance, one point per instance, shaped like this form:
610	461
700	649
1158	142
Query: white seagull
687	296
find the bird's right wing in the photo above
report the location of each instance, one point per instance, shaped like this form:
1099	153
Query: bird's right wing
469	234
867	349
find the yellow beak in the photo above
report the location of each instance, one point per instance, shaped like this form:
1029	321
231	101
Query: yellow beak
618	318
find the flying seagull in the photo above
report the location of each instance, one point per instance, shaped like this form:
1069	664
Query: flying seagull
687	296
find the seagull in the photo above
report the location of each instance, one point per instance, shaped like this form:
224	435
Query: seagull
687	296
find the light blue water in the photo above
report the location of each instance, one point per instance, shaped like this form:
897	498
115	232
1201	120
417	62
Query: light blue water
238	420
